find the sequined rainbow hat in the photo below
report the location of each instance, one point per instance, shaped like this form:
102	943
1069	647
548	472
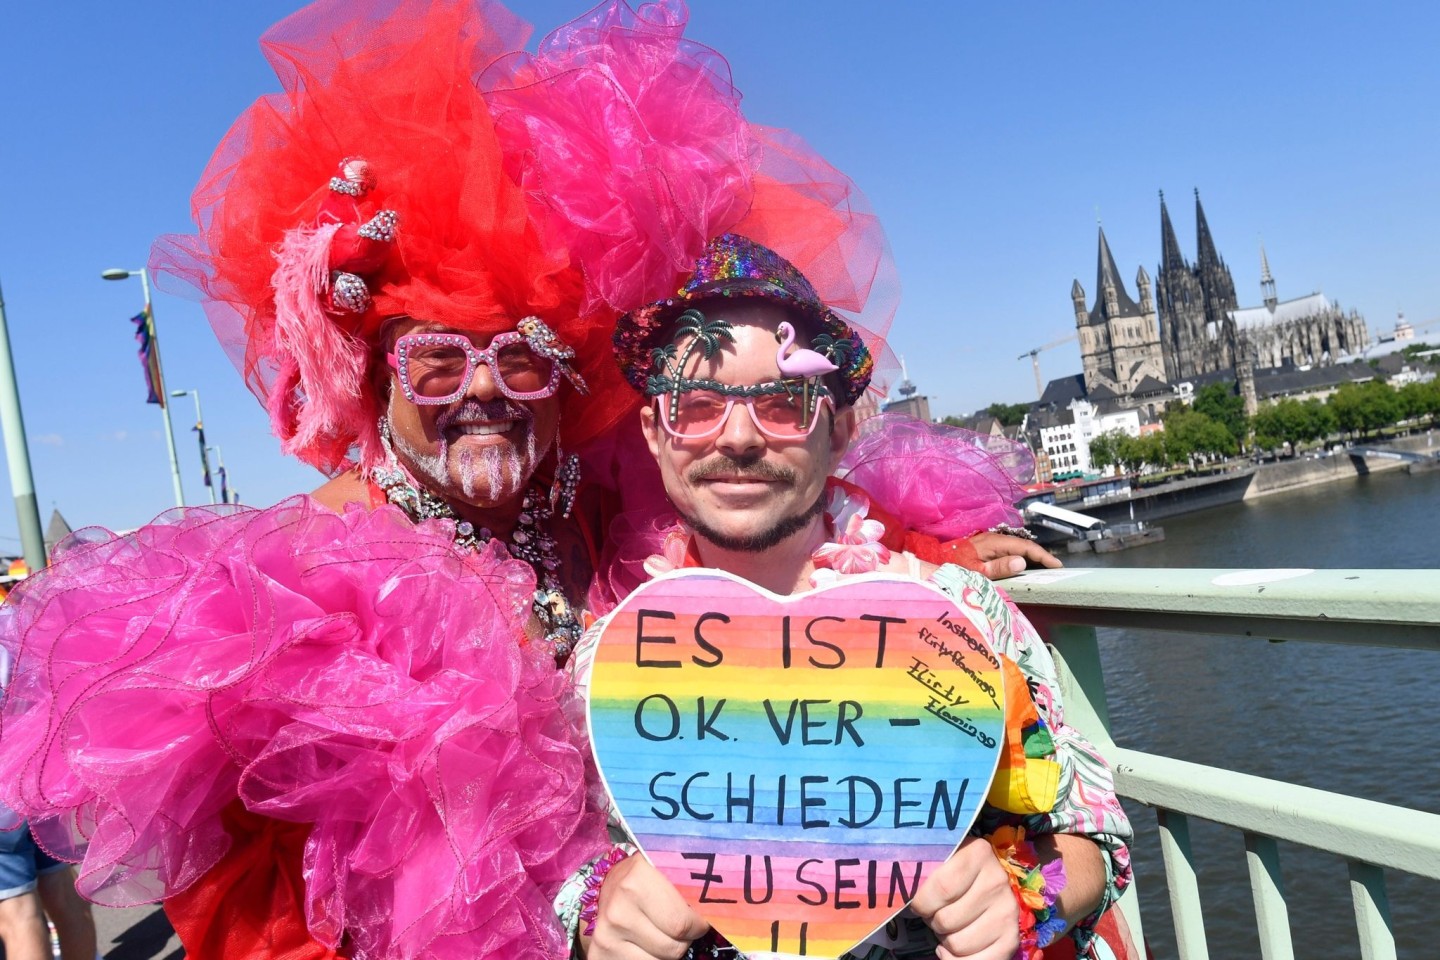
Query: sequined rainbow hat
735	266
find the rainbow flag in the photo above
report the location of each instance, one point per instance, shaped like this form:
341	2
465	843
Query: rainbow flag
149	353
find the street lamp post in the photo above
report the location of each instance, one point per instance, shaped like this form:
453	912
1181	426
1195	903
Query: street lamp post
200	426
17	455
116	273
230	496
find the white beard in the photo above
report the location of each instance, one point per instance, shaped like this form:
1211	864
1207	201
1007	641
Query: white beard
493	474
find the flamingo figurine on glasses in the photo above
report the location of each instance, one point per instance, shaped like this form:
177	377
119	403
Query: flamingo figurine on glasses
803	364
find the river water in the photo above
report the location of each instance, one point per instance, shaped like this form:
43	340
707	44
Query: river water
1269	708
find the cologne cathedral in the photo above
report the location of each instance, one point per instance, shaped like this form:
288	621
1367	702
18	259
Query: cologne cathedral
1192	324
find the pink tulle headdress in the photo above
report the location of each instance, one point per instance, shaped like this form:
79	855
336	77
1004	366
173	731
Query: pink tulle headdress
807	240
942	481
632	137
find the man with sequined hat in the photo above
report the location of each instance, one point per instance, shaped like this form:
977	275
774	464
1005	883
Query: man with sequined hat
751	380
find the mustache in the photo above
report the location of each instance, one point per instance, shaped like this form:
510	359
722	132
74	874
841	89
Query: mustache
494	411
750	468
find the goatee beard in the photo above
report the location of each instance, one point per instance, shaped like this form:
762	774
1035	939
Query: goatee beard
782	530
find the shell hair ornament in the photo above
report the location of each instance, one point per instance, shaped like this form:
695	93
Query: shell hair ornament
356	248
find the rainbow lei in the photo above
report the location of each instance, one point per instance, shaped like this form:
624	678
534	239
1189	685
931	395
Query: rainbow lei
590	897
1035	886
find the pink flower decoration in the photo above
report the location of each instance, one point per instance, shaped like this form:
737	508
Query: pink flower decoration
671	556
856	547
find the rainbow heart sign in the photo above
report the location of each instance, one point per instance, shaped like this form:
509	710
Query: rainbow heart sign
795	766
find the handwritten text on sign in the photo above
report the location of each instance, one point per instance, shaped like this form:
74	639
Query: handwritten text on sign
795	766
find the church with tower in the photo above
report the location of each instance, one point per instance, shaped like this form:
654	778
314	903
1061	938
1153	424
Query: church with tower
1190	325
1119	339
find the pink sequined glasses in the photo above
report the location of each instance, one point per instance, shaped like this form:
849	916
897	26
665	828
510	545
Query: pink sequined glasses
436	368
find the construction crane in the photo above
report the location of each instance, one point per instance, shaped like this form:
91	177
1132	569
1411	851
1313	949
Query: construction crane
1034	355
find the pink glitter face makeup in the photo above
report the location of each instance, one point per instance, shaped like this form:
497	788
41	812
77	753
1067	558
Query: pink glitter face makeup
494	472
482	453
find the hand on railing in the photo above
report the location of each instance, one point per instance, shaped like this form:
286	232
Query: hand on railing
1005	556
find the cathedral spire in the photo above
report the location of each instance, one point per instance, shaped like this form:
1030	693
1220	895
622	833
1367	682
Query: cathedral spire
1267	282
1111	300
1170	256
1205	255
1105	273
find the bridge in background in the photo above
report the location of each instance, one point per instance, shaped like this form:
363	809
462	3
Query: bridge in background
1370	608
1385	453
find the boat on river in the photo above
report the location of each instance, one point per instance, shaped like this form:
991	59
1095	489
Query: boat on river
1123	536
1081	532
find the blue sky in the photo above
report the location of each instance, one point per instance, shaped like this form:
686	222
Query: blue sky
986	136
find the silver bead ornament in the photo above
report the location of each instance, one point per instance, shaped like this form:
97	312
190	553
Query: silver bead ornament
348	293
380	227
355	178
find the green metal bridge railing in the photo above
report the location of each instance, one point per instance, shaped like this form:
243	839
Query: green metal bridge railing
1387	608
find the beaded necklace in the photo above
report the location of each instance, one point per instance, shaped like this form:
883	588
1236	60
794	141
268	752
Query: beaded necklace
530	542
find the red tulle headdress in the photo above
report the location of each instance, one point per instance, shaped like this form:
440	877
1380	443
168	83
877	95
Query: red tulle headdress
374	186
416	164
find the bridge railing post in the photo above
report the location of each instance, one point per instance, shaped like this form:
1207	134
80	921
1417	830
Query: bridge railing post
1082	686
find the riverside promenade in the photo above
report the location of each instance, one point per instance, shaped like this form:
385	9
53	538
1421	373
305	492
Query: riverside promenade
1240	480
1310	469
